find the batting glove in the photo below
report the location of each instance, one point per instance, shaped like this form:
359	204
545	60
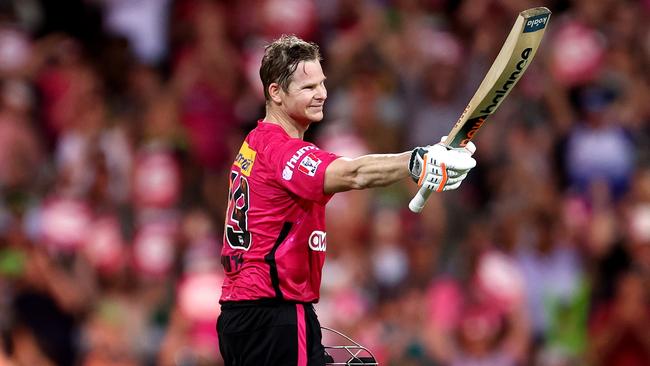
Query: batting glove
439	168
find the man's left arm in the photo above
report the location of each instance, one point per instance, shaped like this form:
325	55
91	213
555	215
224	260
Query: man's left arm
435	167
375	170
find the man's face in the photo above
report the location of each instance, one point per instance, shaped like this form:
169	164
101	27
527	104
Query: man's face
306	94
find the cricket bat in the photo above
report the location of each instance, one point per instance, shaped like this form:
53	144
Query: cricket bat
508	67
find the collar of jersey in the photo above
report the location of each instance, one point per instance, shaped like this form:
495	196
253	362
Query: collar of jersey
268	125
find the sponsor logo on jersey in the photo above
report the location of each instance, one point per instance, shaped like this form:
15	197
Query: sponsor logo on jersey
287	173
318	241
536	23
309	165
245	159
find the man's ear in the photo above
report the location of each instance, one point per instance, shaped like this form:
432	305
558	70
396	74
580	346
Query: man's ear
274	92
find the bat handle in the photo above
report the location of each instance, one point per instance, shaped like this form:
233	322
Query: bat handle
417	203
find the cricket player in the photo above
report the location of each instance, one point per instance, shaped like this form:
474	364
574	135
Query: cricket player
274	237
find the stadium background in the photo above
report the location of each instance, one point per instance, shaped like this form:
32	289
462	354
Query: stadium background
119	120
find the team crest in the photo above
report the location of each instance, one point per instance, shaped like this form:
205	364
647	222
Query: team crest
309	165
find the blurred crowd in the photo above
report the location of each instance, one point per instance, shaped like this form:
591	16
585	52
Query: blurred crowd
119	120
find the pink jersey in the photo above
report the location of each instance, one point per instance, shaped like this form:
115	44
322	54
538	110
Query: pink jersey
274	237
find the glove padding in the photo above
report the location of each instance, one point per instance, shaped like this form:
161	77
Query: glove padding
439	168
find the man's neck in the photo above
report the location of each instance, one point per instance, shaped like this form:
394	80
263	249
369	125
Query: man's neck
291	127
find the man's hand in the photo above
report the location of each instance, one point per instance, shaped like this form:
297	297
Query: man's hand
439	168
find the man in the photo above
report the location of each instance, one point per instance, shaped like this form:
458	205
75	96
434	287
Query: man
274	240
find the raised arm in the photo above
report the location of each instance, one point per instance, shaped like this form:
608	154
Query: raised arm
435	167
375	170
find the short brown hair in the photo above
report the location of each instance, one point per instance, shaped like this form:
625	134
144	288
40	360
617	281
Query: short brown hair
281	58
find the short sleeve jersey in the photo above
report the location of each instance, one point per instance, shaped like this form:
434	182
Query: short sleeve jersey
274	237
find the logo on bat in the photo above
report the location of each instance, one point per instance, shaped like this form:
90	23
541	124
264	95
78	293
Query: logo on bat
514	76
536	23
477	123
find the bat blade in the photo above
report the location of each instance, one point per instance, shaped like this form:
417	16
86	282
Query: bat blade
508	67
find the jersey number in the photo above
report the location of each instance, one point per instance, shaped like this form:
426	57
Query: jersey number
237	233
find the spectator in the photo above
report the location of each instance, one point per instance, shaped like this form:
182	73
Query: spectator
118	117
619	327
